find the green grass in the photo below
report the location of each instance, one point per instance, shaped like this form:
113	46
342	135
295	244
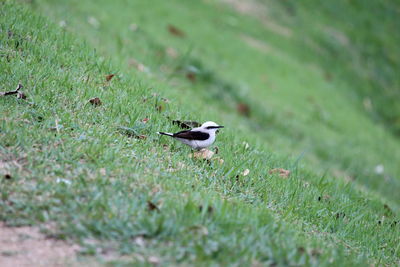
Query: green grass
72	166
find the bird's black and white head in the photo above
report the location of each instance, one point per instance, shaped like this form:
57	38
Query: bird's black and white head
210	127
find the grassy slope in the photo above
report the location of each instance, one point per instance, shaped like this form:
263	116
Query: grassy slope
258	217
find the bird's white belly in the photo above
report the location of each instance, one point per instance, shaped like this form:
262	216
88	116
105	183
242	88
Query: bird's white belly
197	144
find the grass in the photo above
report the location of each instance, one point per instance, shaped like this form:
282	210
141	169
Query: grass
117	194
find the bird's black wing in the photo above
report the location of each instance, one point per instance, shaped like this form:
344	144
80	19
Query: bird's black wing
192	135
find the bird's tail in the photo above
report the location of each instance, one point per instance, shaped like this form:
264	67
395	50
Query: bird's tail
167	134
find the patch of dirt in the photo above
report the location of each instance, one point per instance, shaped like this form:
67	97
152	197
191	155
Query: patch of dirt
26	246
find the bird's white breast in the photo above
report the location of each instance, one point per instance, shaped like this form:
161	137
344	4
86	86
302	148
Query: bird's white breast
199	144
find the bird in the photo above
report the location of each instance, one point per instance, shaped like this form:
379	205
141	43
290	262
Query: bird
197	138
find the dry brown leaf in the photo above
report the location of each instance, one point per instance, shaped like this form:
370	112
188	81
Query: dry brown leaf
175	31
191	76
203	154
243	109
95	101
109	77
282	172
151	206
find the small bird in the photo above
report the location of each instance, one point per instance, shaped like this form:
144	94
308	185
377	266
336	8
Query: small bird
199	137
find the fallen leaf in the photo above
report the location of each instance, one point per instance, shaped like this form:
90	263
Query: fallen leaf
175	31
95	101
246	172
109	77
191	76
243	109
282	172
151	206
203	154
